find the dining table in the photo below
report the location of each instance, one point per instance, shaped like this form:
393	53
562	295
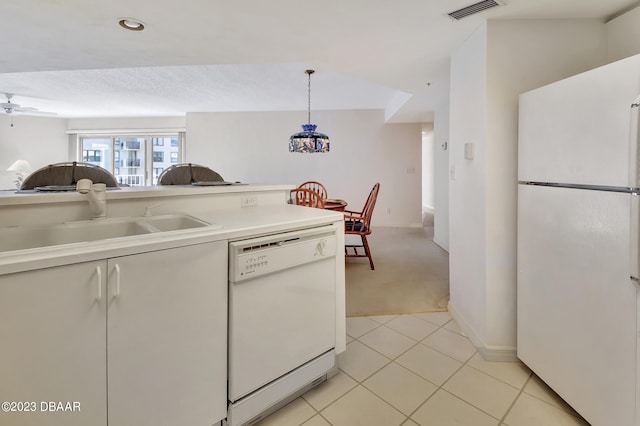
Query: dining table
335	204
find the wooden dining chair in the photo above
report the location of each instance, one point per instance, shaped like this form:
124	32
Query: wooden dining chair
359	223
307	197
315	186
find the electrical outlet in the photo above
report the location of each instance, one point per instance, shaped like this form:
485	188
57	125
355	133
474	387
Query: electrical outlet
249	200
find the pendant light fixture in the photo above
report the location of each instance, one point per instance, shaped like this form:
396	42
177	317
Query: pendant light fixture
309	140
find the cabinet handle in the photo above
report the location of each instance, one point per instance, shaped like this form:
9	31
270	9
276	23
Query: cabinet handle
99	275
117	292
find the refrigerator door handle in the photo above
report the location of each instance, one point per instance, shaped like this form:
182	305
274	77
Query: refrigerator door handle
634	249
634	149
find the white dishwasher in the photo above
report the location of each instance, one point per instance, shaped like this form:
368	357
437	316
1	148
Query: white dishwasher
282	293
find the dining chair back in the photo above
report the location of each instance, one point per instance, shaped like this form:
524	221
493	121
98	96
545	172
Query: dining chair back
359	223
315	186
307	197
68	173
186	174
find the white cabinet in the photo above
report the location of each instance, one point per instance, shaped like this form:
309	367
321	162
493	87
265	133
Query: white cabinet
53	345
166	334
138	339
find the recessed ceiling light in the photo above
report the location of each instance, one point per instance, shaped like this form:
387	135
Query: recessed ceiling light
131	24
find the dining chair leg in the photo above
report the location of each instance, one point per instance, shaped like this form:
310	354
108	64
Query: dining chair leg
365	244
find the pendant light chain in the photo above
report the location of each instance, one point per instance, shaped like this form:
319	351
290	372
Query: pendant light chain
309	72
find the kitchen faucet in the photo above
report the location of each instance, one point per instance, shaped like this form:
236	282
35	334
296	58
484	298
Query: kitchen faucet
97	197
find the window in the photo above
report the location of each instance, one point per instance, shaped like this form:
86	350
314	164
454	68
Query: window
92	156
130	144
135	160
157	171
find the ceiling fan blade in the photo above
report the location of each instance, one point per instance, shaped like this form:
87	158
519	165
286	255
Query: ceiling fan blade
11	108
23	111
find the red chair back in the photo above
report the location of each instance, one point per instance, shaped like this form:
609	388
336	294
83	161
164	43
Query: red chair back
307	197
315	186
360	222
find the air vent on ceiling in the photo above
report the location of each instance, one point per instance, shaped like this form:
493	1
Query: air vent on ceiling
474	8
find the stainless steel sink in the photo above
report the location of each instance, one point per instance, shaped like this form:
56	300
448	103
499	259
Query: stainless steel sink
26	237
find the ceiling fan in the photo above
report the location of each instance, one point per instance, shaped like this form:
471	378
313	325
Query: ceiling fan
11	108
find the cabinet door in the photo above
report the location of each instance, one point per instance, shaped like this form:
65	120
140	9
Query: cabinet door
167	344
53	340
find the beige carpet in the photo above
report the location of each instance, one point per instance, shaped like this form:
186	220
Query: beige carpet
411	275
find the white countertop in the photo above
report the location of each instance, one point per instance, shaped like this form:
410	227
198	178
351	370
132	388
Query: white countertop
233	224
260	220
35	197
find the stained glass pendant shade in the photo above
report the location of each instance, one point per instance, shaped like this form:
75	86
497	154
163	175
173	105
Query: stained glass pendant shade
309	141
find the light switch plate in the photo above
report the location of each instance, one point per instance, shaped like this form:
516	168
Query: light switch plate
468	151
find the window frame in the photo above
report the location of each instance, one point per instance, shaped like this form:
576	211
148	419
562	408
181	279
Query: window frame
77	150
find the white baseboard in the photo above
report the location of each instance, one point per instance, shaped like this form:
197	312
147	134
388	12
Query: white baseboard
428	209
441	245
488	352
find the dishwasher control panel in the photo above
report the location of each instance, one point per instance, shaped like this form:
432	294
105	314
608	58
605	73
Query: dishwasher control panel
264	255
253	263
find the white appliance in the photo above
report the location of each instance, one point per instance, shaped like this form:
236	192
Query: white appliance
578	216
282	313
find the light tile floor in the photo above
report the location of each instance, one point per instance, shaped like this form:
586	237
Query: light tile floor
418	369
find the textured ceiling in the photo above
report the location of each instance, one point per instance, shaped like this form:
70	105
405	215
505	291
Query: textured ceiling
72	58
174	90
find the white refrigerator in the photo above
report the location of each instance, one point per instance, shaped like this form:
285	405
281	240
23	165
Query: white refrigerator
578	238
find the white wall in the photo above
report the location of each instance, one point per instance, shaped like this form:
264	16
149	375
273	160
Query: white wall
428	167
502	59
253	147
39	140
441	204
467	207
623	35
